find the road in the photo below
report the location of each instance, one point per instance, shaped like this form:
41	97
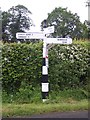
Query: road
74	115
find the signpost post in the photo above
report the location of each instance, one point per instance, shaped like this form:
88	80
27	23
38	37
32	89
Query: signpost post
41	35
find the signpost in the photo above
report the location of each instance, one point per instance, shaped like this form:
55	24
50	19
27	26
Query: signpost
30	35
58	40
41	35
49	30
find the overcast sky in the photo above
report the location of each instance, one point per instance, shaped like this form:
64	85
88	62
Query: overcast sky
41	8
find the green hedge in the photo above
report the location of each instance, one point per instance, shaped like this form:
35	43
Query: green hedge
22	63
68	66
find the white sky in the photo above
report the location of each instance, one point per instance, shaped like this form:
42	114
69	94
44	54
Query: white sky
41	8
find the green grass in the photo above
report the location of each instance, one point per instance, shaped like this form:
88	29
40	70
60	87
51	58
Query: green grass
66	100
15	110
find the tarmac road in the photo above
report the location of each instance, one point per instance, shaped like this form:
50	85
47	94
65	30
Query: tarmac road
73	114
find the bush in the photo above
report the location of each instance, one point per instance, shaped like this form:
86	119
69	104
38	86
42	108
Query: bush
22	63
68	66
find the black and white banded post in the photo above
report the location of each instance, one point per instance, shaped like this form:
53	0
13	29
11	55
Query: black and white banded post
44	82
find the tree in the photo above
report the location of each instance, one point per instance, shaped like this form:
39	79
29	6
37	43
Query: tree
17	20
66	23
5	25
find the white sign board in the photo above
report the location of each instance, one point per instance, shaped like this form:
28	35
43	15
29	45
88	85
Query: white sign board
30	35
49	30
58	40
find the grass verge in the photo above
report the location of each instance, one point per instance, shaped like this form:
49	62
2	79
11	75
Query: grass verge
15	110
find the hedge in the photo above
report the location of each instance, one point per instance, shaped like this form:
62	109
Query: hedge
21	62
68	66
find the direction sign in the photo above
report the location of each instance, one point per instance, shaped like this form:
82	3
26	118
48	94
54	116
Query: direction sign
58	40
30	35
49	30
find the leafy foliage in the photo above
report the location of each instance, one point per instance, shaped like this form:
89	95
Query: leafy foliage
21	63
66	24
5	23
17	19
68	66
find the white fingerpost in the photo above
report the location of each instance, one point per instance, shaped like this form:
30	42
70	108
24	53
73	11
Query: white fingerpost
42	35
